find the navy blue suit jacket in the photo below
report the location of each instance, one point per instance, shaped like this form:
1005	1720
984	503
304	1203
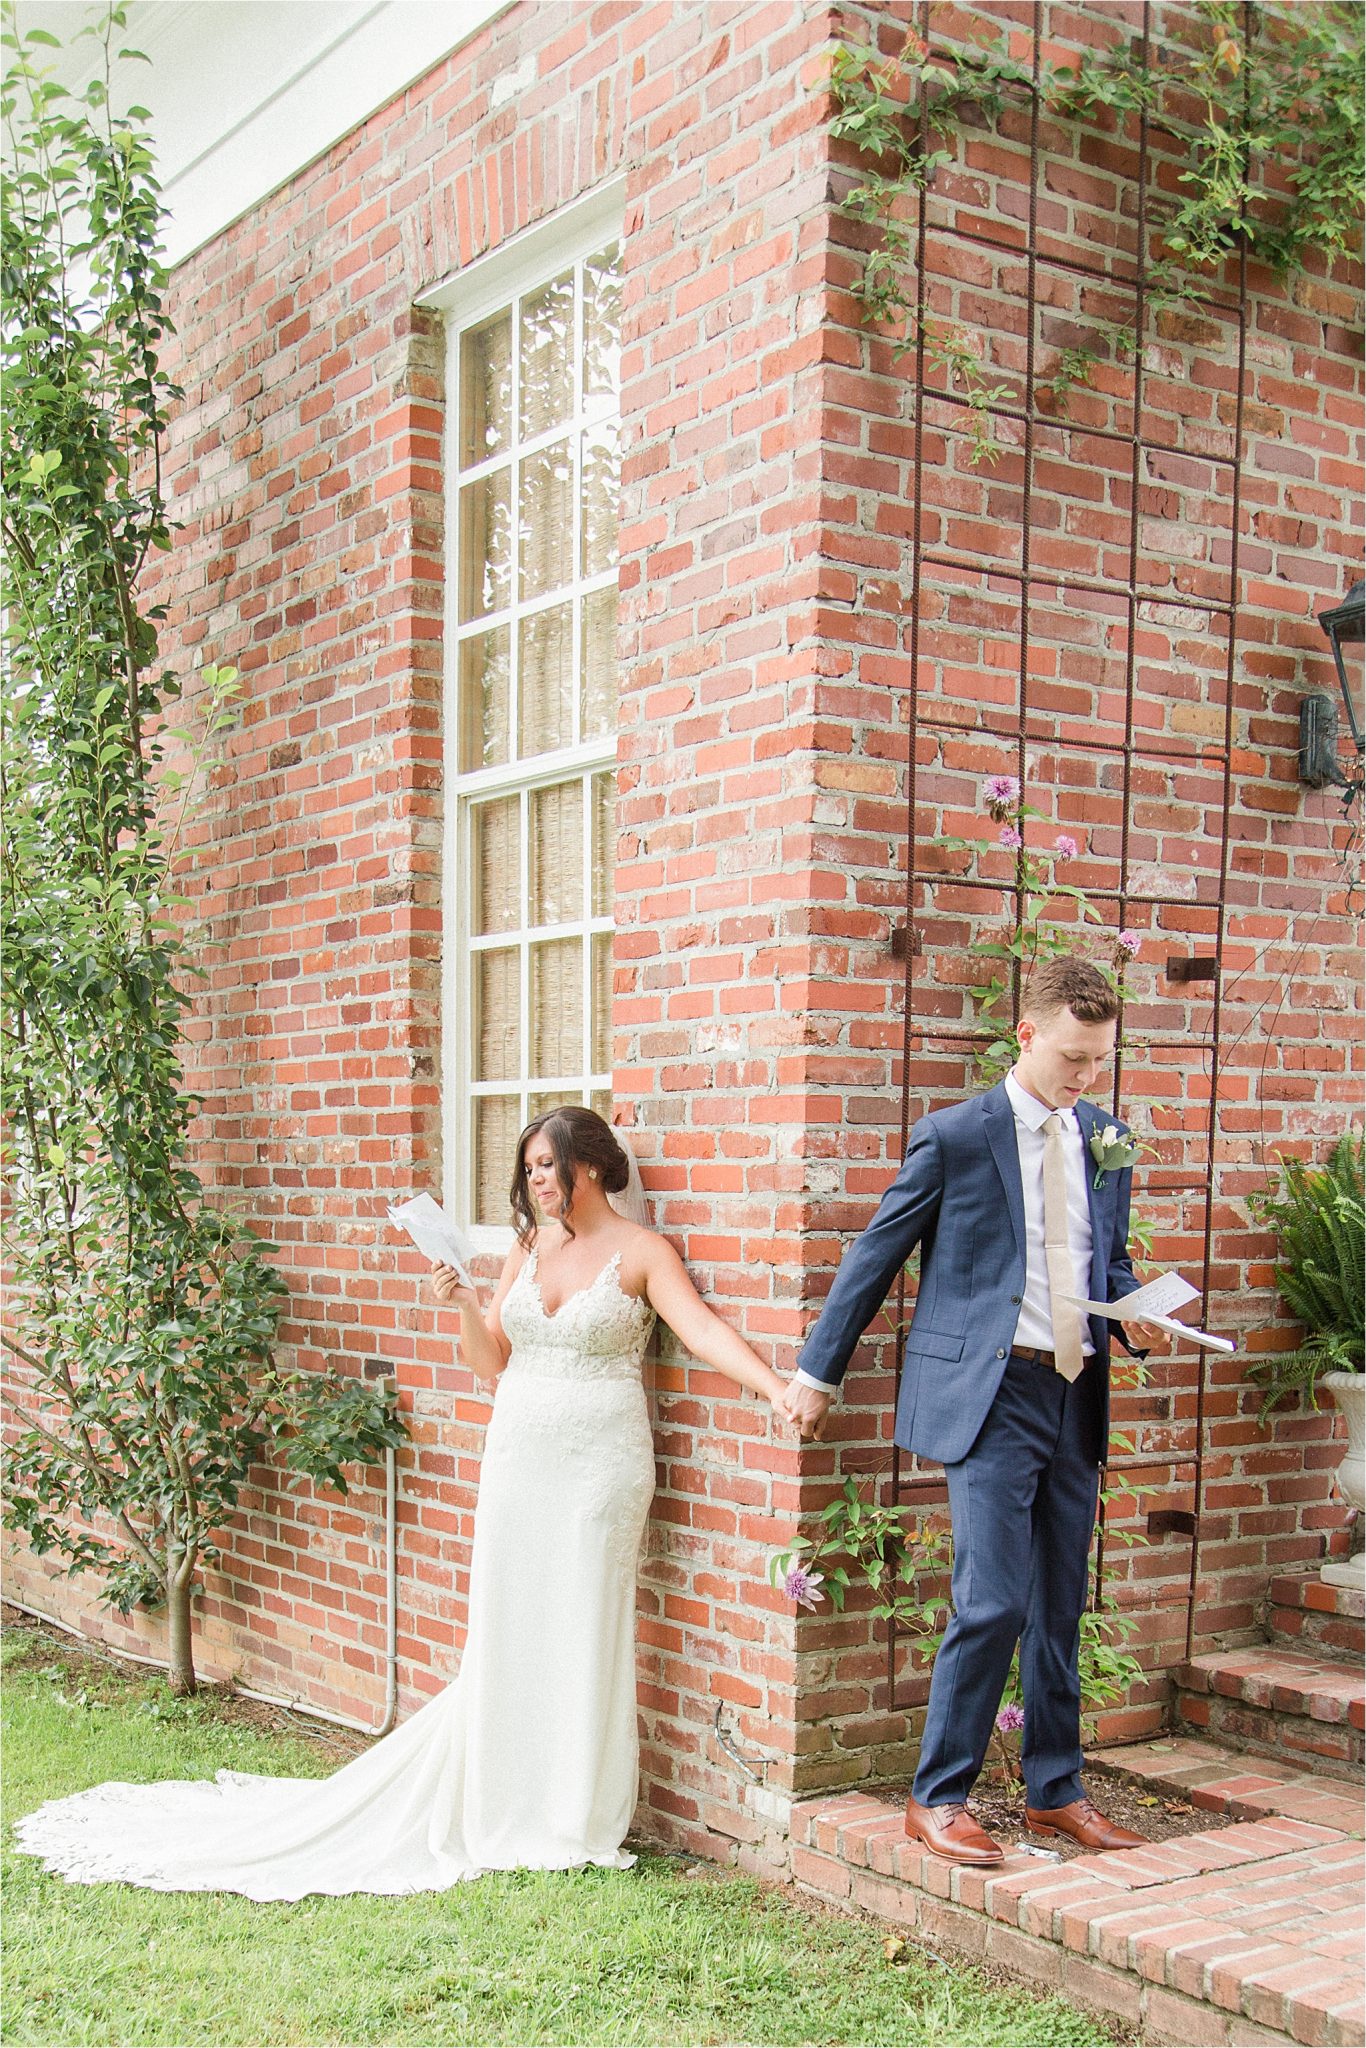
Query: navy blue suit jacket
959	1196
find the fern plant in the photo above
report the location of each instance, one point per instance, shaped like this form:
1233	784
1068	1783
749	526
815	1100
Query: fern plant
1319	1215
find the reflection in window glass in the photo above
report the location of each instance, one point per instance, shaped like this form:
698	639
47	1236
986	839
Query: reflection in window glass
557	1045
497	1122
486	390
604	842
557	854
496	868
485	699
486	544
546	720
534	663
598	665
547	335
601	498
545	520
497	1012
601	326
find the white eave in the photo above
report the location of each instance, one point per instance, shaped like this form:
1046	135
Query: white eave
244	93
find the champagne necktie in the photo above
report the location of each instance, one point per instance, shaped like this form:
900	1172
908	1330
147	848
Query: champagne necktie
1062	1278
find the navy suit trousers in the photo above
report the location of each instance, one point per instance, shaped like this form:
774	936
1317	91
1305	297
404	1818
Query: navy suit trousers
1023	1502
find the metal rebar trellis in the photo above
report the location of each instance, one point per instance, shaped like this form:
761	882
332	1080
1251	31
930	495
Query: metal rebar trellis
1185	1462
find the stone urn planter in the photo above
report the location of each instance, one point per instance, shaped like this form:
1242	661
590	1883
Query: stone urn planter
1348	1390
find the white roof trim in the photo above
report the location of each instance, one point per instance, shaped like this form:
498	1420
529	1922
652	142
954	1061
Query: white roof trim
244	94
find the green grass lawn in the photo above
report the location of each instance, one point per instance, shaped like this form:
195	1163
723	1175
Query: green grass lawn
668	1952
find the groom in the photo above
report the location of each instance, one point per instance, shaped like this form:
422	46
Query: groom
1006	1384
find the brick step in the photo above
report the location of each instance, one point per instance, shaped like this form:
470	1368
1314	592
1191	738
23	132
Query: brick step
1250	1933
1226	1781
1326	1621
1308	1711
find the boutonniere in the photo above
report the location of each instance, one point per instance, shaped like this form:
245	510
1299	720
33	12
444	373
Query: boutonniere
1113	1150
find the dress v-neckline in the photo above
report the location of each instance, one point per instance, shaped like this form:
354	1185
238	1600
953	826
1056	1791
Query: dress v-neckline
533	1275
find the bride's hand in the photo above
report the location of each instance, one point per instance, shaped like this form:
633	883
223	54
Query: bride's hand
451	1291
776	1390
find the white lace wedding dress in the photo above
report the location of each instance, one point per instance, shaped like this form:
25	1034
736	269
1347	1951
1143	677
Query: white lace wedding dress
529	1760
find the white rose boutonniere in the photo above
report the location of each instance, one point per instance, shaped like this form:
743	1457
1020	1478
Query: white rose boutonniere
1113	1150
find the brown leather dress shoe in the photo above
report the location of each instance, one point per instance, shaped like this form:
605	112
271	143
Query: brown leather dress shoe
1085	1824
951	1832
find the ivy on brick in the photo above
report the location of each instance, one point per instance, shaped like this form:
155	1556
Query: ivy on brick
904	1566
1266	103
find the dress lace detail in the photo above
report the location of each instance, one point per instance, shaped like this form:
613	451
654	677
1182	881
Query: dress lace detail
574	1381
529	1759
598	1333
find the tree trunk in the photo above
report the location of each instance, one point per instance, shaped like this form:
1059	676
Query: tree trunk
179	1587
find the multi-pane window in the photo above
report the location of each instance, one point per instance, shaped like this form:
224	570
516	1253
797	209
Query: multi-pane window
534	714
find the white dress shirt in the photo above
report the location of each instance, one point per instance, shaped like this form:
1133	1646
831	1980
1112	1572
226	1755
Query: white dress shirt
1035	1326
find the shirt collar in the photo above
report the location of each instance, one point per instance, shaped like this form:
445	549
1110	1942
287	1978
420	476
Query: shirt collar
1032	1113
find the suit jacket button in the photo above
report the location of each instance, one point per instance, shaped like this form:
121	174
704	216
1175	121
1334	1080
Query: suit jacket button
1000	1354
1015	1300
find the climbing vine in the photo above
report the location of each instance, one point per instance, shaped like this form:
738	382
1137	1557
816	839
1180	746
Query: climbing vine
1054	918
1266	102
905	1567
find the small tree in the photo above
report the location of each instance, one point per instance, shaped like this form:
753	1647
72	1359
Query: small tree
141	1317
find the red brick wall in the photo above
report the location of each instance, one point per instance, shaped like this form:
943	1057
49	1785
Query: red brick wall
1290	1027
761	868
305	467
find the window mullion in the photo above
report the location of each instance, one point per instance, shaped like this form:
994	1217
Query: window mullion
585	927
576	566
524	958
520	775
536	772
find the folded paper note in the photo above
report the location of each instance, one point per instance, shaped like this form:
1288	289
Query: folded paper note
1153	1302
435	1236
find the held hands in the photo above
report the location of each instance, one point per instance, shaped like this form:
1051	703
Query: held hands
806	1407
776	1391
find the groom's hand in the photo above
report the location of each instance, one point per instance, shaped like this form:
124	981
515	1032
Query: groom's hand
808	1408
1144	1336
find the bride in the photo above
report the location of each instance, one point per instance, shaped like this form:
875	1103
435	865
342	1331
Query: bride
529	1759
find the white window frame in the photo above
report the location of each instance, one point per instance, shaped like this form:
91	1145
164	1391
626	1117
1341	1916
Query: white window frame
528	260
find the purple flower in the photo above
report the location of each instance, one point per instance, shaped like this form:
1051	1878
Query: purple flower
803	1586
1009	836
1010	1720
1065	846
1002	793
1131	942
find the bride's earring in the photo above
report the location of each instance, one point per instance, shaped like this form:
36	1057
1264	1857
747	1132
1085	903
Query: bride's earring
592	1173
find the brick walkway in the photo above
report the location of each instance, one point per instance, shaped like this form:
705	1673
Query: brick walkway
1251	1934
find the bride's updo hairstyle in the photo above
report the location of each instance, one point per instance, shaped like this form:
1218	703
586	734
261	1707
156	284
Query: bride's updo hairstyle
576	1137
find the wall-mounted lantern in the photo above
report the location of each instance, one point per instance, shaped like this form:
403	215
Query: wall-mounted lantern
1345	626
